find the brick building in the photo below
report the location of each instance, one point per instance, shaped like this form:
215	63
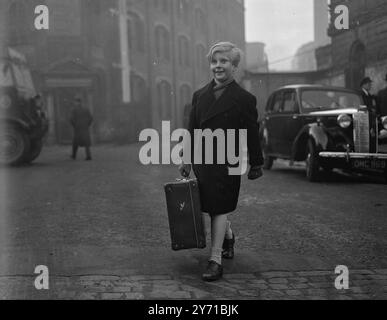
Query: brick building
361	50
135	62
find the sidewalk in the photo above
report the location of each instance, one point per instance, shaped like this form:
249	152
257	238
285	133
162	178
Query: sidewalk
276	285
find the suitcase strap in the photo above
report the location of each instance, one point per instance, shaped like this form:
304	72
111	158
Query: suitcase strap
193	210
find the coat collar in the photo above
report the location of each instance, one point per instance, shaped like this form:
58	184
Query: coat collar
222	104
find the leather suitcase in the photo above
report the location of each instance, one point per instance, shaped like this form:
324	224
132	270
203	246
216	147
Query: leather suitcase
186	222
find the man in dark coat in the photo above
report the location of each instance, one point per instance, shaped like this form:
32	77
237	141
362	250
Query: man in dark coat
382	101
368	98
222	105
81	120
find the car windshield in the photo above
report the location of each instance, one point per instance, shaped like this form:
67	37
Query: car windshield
318	99
23	80
5	75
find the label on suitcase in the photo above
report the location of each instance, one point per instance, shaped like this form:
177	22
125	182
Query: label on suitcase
184	214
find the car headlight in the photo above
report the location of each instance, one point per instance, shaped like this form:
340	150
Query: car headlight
344	121
384	122
5	102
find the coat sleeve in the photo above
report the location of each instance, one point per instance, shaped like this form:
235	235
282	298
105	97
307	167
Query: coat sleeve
191	126
250	122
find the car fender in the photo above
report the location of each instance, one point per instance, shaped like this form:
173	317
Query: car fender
314	131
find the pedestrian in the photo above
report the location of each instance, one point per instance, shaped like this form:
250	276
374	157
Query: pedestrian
368	98
81	120
223	104
382	101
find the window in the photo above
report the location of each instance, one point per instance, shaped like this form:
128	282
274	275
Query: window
162	43
183	10
164	95
138	89
161	5
184	52
201	59
276	103
185	95
136	34
19	28
290	104
200	20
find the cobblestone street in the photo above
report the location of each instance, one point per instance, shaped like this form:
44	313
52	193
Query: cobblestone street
101	228
314	285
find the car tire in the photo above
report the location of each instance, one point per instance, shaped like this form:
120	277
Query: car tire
312	162
36	147
14	145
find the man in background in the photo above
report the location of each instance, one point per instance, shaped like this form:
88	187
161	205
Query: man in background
81	120
382	101
368	98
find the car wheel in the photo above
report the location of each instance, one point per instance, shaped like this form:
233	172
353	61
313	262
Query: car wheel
312	163
14	145
35	150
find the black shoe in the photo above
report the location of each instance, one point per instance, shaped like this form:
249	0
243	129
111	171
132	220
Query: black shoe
88	159
72	157
213	272
228	248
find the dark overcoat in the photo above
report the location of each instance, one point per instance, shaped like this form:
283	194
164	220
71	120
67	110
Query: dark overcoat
369	101
382	102
234	109
81	120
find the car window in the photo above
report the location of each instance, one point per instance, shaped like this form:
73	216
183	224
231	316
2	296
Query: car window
289	105
5	75
313	100
276	103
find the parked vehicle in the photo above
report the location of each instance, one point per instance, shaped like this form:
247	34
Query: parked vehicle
328	127
23	124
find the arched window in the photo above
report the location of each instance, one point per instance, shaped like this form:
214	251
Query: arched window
164	95
136	34
185	95
183	10
200	20
162	5
162	43
184	51
138	89
19	27
201	59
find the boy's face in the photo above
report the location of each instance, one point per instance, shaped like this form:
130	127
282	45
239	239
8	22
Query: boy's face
221	67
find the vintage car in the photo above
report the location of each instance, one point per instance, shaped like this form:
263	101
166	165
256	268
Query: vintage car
327	127
23	126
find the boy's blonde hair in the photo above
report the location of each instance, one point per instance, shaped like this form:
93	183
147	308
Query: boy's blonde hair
226	47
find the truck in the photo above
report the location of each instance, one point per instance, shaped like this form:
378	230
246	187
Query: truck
23	122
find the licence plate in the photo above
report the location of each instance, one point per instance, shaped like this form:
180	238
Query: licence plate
373	164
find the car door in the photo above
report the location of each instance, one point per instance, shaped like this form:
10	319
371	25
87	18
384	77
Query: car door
292	120
273	125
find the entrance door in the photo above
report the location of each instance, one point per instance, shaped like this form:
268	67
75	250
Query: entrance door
64	98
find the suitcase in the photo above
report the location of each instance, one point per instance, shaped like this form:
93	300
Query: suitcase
186	222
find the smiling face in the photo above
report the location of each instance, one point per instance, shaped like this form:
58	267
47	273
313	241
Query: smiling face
222	67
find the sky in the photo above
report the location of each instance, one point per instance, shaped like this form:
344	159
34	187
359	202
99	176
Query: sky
283	25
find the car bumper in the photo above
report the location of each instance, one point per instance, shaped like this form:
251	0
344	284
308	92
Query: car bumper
352	160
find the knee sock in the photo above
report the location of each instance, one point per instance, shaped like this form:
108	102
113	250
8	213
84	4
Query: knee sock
218	229
228	230
216	255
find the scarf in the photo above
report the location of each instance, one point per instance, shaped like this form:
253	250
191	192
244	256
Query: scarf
221	87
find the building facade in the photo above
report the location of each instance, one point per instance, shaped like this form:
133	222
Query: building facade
134	62
360	51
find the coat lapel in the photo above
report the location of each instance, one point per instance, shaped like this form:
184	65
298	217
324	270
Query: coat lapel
215	107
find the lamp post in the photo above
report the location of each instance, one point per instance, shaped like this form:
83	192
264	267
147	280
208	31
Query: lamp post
124	48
